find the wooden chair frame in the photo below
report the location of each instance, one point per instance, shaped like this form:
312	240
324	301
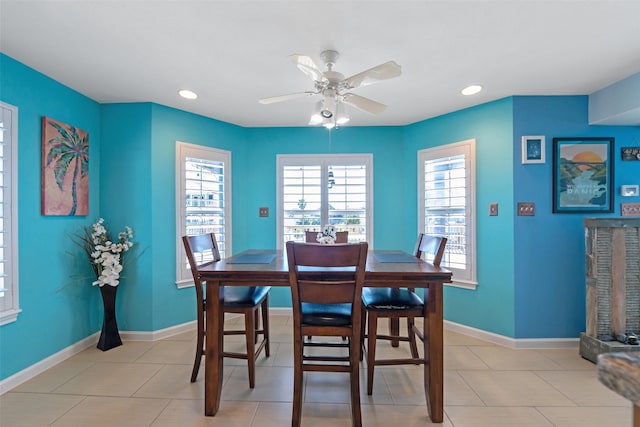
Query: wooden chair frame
425	244
207	242
324	290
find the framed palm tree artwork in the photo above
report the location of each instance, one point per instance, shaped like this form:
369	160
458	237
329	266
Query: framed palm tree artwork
65	169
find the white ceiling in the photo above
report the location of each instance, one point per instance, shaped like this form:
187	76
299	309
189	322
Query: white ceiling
234	52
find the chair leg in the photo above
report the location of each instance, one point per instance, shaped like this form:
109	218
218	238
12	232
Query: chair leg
265	325
296	414
363	325
354	361
371	349
256	327
394	330
249	325
199	345
412	337
198	359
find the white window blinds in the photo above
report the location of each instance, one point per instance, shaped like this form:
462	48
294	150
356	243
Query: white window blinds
9	308
316	190
447	200
203	187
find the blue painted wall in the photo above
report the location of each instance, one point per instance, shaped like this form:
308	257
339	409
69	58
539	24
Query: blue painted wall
385	143
530	270
59	305
491	306
139	190
549	248
125	197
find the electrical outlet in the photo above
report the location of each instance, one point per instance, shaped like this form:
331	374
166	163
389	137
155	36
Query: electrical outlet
493	209
526	209
263	212
630	209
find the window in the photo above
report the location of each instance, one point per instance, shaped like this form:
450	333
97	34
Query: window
315	190
203	200
9	307
446	187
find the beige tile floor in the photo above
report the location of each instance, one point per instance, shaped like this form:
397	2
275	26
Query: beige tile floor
147	384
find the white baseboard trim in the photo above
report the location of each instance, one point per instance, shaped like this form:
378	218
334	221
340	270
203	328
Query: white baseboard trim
159	334
30	372
186	327
282	311
47	363
515	343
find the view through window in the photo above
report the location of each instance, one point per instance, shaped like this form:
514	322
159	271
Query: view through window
316	190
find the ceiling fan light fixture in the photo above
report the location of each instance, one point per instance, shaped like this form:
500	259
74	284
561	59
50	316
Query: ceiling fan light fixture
342	116
329	124
316	119
328	103
471	90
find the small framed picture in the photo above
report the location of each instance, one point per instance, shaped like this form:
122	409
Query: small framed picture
533	149
630	153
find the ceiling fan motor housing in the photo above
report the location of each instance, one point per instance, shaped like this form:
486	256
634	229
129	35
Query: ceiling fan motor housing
329	57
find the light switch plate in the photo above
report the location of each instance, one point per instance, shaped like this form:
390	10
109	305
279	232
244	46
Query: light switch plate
263	212
526	209
630	209
493	209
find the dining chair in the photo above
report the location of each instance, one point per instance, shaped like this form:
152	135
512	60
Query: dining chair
394	304
325	306
341	236
247	300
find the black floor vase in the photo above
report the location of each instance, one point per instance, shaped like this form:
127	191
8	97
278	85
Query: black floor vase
110	337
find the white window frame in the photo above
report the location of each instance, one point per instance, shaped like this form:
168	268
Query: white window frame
325	160
9	306
464	278
184	278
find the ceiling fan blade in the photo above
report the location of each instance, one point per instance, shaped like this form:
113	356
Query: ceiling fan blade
365	104
385	71
307	66
281	98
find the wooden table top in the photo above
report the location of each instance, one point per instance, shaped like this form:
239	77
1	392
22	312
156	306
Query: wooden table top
382	268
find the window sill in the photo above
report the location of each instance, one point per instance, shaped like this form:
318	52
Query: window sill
463	284
9	316
181	284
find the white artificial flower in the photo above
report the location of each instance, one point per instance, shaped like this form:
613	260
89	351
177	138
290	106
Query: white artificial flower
106	255
327	236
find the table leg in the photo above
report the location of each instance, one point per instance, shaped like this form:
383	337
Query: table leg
213	373
434	349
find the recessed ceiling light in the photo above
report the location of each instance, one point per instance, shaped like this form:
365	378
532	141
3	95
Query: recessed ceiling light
471	90
185	93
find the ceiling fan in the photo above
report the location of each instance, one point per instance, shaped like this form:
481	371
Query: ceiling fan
334	87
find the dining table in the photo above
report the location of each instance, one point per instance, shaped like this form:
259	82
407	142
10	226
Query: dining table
269	267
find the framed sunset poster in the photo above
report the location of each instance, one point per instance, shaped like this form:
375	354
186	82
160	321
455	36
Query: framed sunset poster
65	169
583	175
